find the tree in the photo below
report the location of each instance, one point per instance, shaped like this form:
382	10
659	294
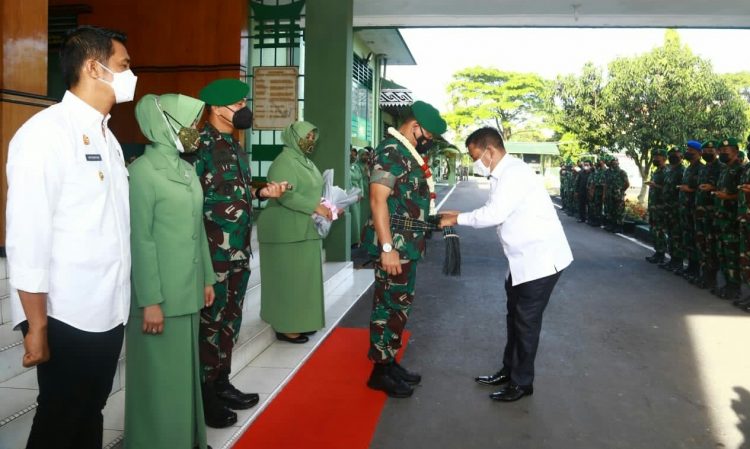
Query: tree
577	108
482	96
665	97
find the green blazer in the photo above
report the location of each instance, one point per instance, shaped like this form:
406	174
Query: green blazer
169	248
289	218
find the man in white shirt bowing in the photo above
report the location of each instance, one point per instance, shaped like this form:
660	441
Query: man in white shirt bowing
535	245
68	241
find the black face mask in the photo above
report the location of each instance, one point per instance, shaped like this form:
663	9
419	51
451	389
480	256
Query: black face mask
674	159
708	157
242	118
724	157
655	163
423	144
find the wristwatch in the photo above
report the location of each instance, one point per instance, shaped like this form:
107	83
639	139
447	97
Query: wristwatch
386	247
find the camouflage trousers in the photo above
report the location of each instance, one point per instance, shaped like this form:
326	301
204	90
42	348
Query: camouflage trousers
674	232
596	205
615	208
390	310
729	250
220	324
687	225
744	228
657	223
705	238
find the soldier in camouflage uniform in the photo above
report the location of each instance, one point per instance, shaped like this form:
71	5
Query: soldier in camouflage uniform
582	192
398	187
617	184
743	218
671	197
656	220
223	168
725	206
596	193
705	234
572	189
688	188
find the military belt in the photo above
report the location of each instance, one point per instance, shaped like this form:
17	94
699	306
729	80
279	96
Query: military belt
401	223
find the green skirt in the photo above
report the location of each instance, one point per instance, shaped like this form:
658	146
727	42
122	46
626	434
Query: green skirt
163	404
291	286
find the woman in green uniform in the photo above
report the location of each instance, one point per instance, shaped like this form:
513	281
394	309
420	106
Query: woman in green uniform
172	280
355	210
291	269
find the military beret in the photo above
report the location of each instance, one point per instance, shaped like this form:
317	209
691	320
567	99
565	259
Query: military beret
729	142
695	145
224	91
429	117
659	152
741	155
709	144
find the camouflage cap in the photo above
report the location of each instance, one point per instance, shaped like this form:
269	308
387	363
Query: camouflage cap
729	142
659	152
429	117
674	150
708	144
224	91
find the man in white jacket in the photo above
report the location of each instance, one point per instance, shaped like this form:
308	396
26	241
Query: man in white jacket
532	239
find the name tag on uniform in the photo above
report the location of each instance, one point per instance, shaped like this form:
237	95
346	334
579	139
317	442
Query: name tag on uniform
94	157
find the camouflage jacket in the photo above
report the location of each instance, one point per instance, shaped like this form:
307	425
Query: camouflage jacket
223	168
690	178
656	194
729	179
394	167
743	198
672	180
616	182
709	174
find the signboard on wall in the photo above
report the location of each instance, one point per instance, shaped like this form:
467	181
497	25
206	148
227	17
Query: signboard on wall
274	97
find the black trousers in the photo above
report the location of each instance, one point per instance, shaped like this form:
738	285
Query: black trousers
74	386
526	304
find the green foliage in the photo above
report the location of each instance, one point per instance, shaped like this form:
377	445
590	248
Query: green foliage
482	96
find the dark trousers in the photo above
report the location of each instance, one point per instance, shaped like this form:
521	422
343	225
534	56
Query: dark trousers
74	386
526	304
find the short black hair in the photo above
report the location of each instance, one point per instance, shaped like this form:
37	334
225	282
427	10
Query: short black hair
86	42
484	137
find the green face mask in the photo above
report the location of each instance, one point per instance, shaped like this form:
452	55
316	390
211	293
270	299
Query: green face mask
306	145
188	137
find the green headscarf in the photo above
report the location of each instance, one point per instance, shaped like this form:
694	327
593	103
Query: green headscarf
298	131
149	112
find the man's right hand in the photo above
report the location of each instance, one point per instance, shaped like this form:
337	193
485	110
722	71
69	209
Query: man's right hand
35	347
391	262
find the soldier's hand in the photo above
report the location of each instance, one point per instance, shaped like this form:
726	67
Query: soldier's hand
208	296
36	349
153	320
391	262
274	189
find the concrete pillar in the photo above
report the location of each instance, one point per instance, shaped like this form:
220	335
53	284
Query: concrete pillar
328	88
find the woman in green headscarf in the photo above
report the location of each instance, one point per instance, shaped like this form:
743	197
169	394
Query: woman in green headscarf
290	247
355	210
172	279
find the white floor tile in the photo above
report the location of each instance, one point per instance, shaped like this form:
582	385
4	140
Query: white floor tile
281	355
255	379
217	437
114	412
15	399
26	380
15	434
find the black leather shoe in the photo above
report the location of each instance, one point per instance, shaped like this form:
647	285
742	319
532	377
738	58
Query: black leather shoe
407	376
512	393
207	447
499	378
731	292
216	414
307	334
383	380
655	258
297	340
234	398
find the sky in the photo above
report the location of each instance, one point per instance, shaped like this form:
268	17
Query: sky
440	52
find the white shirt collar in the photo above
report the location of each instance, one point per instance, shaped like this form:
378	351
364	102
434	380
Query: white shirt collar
501	166
84	113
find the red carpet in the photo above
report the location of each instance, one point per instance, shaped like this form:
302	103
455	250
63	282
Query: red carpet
326	405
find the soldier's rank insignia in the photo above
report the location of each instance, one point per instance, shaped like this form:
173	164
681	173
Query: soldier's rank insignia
86	140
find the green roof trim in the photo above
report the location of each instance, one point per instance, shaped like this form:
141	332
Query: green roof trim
388	84
545	148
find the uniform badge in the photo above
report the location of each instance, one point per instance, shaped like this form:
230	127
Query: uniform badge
86	140
101	175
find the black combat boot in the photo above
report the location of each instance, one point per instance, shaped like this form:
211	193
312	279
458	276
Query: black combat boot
382	378
677	266
741	303
231	396
691	272
216	414
657	257
708	280
407	376
731	291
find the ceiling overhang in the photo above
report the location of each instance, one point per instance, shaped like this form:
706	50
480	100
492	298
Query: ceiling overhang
389	43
